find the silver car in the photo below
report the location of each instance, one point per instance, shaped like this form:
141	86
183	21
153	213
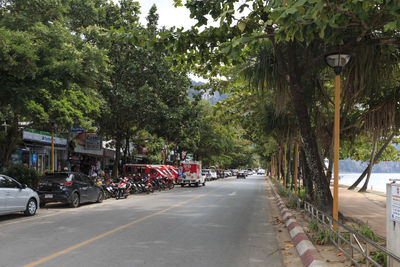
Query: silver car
15	197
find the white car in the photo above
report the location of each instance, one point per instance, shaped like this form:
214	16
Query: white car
16	197
261	172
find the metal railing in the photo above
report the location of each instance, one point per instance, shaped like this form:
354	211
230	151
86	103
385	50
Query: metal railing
349	242
355	246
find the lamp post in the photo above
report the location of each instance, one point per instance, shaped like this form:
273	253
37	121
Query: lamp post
336	61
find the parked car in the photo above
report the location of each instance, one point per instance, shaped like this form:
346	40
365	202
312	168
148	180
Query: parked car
241	174
261	172
207	174
210	174
69	187
227	174
16	197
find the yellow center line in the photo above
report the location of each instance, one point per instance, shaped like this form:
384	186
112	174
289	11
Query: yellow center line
62	252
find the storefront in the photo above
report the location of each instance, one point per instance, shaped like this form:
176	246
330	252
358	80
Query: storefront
36	152
88	154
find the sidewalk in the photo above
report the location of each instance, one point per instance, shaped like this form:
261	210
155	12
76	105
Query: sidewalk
369	206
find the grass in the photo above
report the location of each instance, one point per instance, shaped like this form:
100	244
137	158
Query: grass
292	203
377	256
319	235
365	230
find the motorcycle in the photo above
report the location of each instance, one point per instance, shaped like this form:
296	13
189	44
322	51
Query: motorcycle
148	185
110	190
124	188
169	183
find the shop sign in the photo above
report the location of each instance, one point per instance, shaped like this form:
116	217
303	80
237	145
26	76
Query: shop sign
42	137
395	209
77	129
93	142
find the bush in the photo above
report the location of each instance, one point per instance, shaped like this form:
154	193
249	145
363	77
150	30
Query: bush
23	174
292	203
302	194
284	192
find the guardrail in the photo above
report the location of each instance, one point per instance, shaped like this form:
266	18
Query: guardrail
346	240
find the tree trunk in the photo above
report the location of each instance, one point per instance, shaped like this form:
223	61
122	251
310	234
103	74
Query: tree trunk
310	146
364	188
117	157
307	181
377	156
12	137
289	175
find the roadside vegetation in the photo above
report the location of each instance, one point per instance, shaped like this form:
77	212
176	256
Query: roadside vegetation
93	64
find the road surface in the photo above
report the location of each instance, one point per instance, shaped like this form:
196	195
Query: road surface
224	223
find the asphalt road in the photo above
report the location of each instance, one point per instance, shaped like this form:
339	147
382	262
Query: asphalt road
224	223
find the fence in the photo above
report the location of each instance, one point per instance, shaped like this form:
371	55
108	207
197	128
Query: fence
352	244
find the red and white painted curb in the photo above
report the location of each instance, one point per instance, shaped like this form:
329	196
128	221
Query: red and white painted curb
308	253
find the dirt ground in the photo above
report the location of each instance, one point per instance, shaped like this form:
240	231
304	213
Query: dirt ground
288	250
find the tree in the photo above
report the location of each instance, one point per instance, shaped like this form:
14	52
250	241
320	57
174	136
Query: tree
297	39
48	74
143	92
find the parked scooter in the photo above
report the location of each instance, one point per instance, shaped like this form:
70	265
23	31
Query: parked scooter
148	185
124	188
110	190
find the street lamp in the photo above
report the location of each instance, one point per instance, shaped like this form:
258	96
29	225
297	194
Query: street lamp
336	61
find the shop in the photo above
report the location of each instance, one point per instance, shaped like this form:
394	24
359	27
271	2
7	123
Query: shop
88	154
36	152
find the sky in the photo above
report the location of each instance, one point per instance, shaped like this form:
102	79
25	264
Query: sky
169	15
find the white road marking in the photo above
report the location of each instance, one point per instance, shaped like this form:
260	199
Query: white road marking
232	194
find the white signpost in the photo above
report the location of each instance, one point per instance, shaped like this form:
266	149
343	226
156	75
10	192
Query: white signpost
395	207
393	220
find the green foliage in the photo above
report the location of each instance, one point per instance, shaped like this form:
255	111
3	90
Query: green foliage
284	192
278	48
320	235
302	193
365	230
313	227
360	148
49	74
23	174
378	256
292	203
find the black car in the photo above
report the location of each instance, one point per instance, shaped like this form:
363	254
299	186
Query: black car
241	174
68	187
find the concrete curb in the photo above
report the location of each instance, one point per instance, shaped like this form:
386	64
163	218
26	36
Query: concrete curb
308	253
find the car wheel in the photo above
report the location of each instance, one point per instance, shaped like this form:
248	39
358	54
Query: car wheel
196	184
100	198
204	184
74	201
31	207
182	185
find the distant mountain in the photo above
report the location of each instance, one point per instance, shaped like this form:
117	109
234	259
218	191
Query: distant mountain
349	165
212	97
